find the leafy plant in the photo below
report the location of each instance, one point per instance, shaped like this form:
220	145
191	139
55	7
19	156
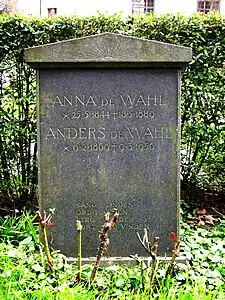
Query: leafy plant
15	230
23	274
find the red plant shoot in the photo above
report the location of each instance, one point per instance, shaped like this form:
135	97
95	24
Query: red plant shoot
173	237
176	242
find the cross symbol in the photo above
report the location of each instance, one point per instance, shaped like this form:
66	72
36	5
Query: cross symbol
66	116
66	149
114	113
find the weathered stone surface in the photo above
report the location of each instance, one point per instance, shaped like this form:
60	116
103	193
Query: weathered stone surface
109	138
107	47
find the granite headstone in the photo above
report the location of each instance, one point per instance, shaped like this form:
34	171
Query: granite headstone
109	137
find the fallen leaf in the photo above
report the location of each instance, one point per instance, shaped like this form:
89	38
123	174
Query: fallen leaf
201	212
209	219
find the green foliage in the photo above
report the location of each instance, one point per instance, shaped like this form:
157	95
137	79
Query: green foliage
203	92
205	251
17	229
25	274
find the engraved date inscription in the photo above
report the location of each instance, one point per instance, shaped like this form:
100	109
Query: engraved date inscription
110	147
103	114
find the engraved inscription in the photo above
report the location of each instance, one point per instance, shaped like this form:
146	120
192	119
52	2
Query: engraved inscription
138	100
130	101
82	100
75	133
87	215
110	147
105	137
103	114
101	133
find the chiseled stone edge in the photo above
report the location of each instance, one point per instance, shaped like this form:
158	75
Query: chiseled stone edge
108	47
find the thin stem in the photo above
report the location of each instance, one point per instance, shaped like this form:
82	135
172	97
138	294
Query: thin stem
46	222
79	251
47	251
104	240
79	256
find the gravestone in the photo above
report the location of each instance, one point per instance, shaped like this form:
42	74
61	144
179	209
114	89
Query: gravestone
109	137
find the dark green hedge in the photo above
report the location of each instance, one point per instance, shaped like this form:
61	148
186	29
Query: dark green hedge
203	92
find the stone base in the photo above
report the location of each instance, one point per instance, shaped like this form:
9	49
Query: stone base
108	261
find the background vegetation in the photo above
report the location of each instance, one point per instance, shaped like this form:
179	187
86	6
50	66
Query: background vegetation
203	94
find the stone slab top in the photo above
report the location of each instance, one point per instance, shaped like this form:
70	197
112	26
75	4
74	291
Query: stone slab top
108	50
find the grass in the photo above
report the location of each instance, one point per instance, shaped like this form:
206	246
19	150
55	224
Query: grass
24	273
